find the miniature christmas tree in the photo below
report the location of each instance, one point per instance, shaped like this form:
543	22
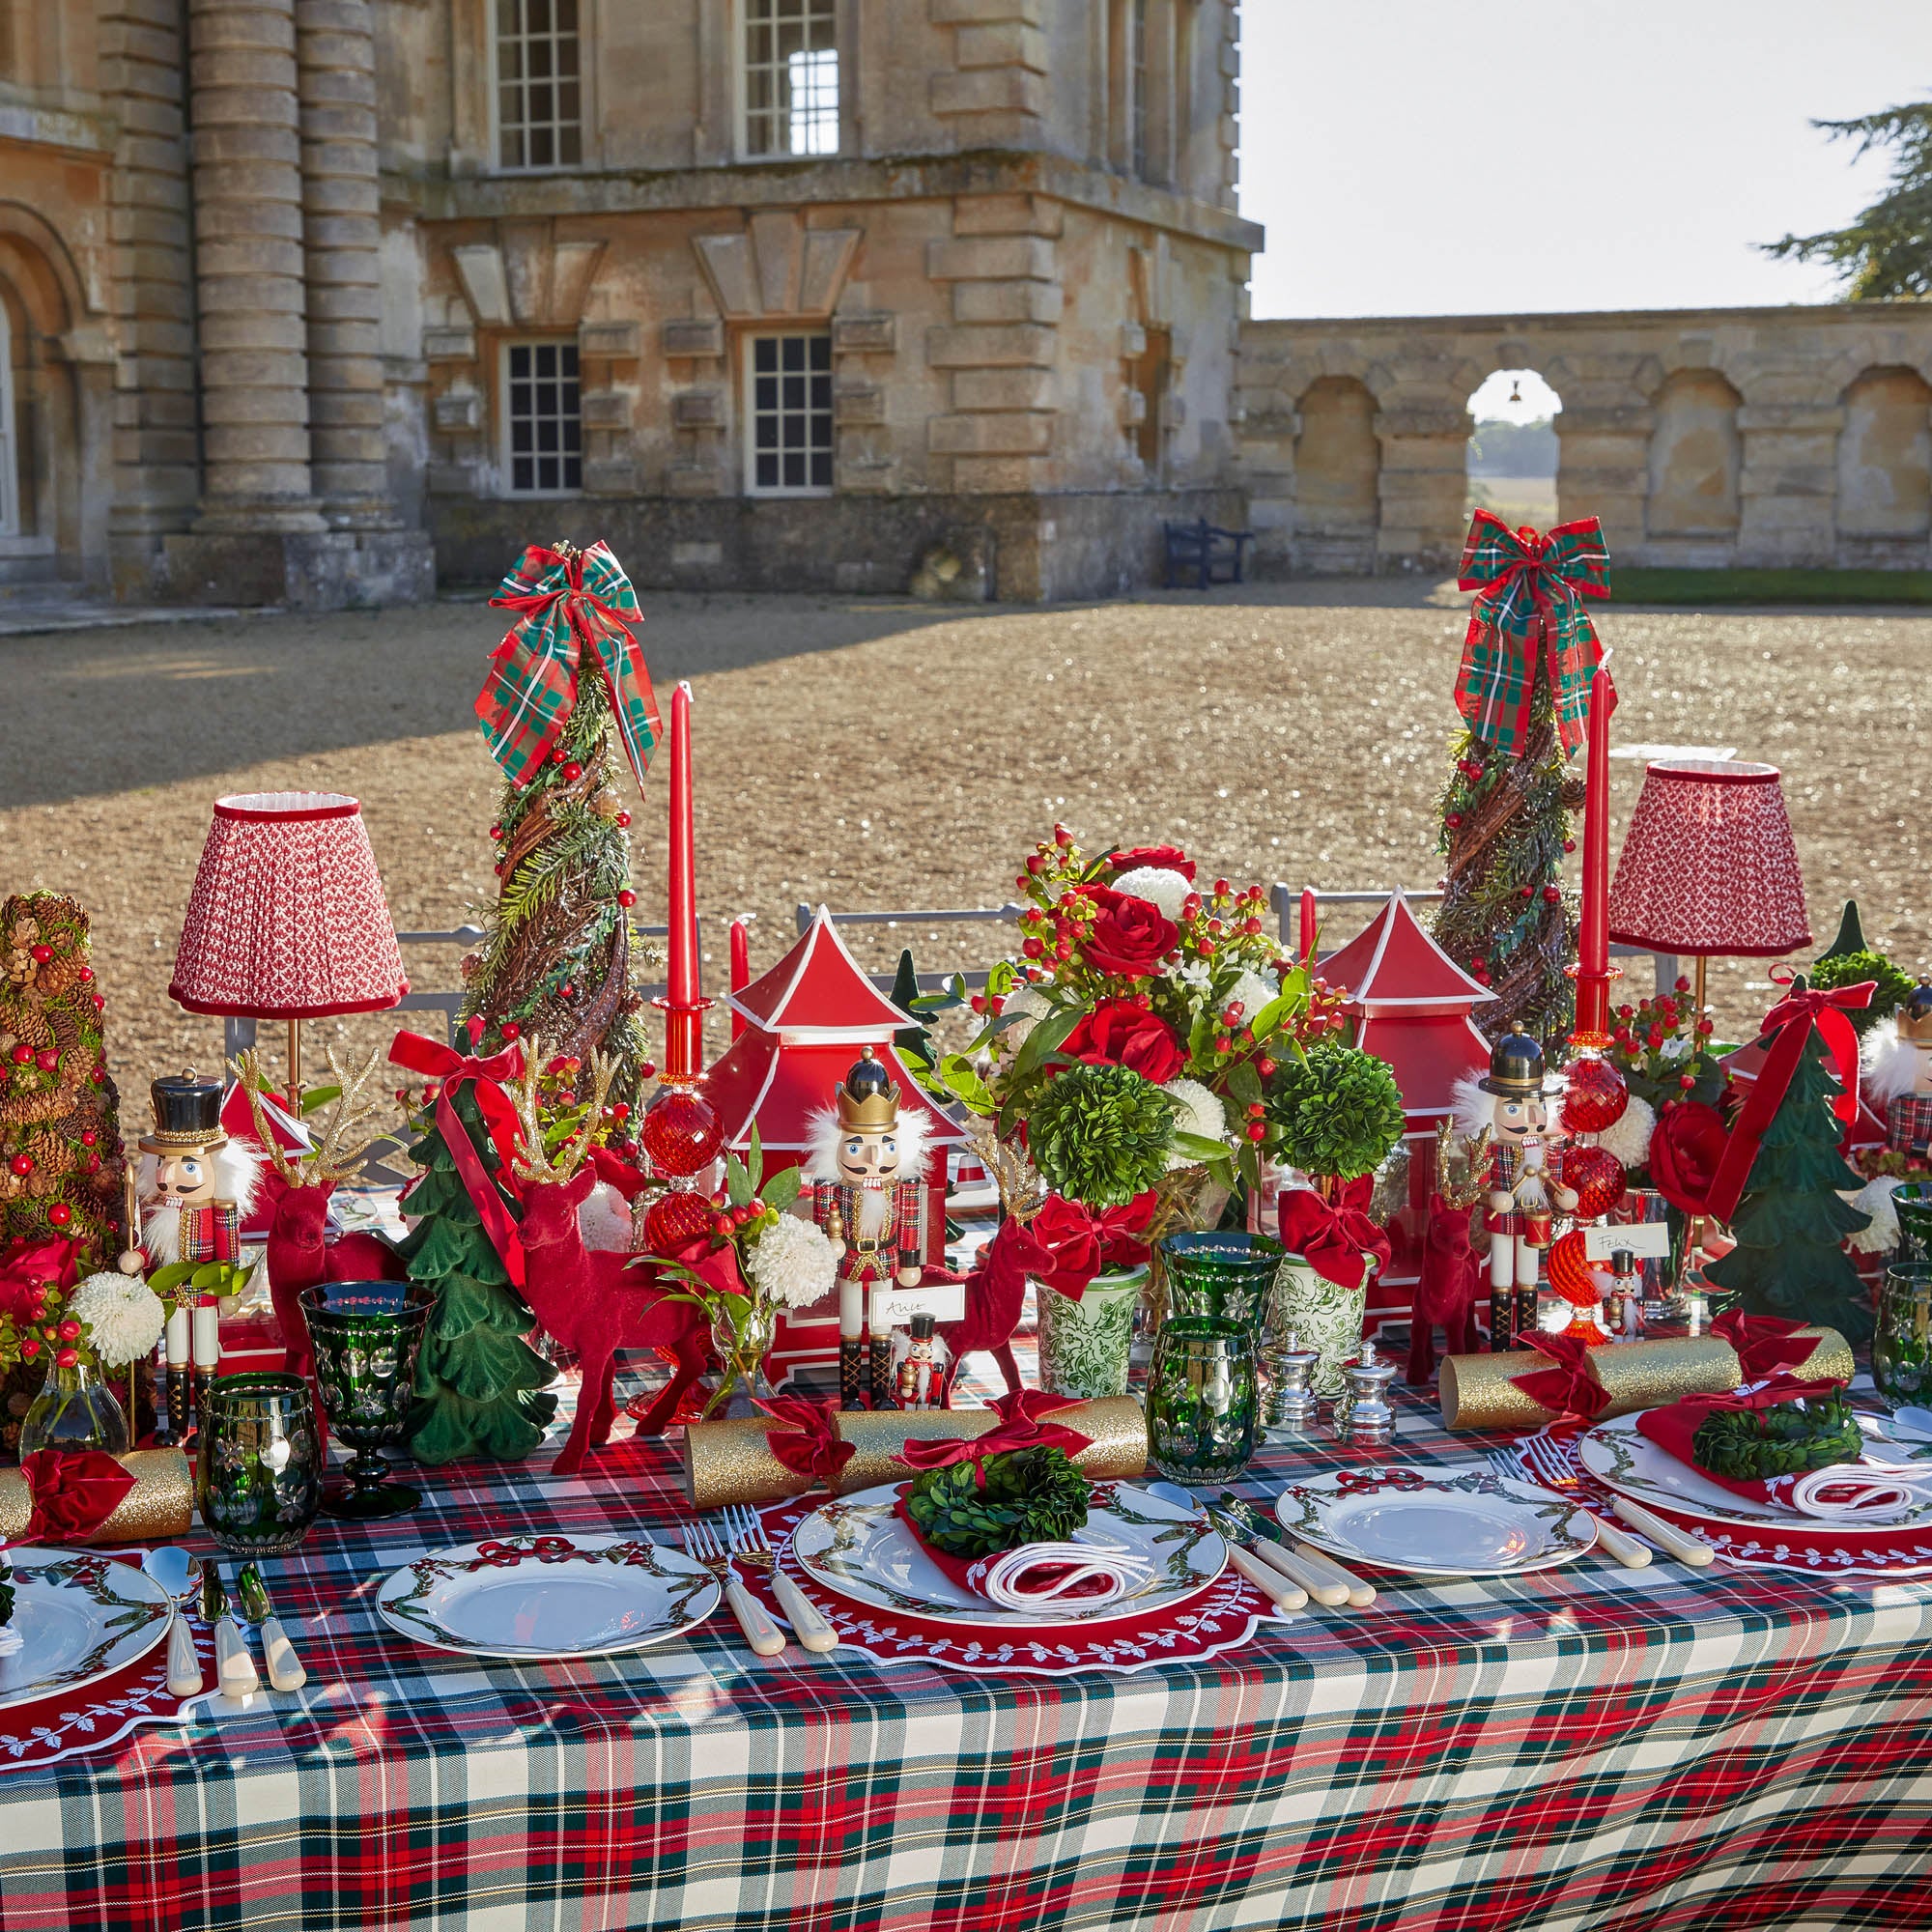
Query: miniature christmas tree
556	957
60	1136
481	1389
1851	960
1792	1217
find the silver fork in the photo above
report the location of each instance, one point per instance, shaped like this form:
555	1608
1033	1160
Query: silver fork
1558	1472
700	1543
1516	1463
750	1545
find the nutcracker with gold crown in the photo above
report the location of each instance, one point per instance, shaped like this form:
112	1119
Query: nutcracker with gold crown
866	1169
195	1186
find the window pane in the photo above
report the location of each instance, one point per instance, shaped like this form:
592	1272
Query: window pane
519	434
547	428
510	62
543	418
765	432
507	17
547	473
536	16
765	352
540	148
566	16
523	474
569	145
573	473
768	472
821	471
567	358
510	150
520	360
793	349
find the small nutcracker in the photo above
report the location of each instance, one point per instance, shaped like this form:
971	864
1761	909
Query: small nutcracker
1898	1074
866	1169
917	1370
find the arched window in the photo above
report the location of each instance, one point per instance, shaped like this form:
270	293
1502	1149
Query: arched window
1337	477
1884	461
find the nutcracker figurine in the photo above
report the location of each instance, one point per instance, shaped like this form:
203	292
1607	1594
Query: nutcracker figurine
865	1167
1524	1193
196	1184
1898	1074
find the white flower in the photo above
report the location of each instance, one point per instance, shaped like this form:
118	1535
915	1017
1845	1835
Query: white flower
124	1316
1253	992
1196	1111
1157	886
792	1262
1031	1007
1194	974
1628	1136
1676	1047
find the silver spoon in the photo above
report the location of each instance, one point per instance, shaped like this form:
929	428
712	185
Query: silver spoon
178	1574
1913	1422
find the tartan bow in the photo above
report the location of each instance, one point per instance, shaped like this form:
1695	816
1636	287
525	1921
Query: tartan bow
497	1555
1530	591
569	603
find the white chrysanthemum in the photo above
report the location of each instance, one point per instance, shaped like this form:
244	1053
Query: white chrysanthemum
124	1316
1157	886
1628	1136
605	1221
1253	992
793	1261
1196	1111
1030	1004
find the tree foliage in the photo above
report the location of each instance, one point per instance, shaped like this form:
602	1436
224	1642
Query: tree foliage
1886	253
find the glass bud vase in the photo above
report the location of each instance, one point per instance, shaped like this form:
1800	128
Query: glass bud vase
742	1348
1085	1345
1901	1349
75	1409
1203	1402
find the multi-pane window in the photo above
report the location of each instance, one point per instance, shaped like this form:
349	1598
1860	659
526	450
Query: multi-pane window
792	77
539	85
788	421
542	418
1137	85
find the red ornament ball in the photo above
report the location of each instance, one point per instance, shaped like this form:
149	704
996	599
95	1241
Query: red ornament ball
1570	1272
39	954
22	1053
99	1002
623	819
1569	844
89	1136
1452	819
510	1029
22	1164
86	973
1551	895
681	1132
1525	892
1594	1094
572	772
627	897
48	1059
622	1111
1598	1177
567	991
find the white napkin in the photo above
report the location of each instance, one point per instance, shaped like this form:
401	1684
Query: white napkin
1864	1491
1062	1567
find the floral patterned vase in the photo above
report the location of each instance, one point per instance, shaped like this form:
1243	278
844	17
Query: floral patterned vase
1324	1315
1084	1345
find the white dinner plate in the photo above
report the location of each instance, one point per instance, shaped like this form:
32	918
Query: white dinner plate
1622	1458
859	1548
549	1596
1435	1522
80	1616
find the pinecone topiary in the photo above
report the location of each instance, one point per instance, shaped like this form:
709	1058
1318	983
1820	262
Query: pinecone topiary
1028	1495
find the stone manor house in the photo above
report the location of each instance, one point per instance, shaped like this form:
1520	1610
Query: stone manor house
316	302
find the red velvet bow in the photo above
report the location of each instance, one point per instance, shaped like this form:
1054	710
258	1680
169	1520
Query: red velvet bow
1765	1344
1021	1426
73	1492
1788	1027
1567	1388
1122	1231
1335	1238
484	1075
807	1442
495	1555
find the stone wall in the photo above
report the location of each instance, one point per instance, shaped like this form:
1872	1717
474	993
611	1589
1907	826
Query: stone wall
1700	436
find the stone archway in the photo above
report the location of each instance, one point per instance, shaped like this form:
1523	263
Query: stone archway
1510	459
1337	472
1885	469
1692	506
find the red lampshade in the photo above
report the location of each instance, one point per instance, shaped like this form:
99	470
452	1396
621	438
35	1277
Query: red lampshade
1709	864
286	920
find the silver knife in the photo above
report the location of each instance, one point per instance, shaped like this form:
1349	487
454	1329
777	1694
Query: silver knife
234	1667
1329	1576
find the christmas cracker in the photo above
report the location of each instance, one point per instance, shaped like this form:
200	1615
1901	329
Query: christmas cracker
160	1506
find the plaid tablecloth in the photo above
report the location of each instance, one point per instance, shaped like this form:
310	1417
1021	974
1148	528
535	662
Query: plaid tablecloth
1590	1747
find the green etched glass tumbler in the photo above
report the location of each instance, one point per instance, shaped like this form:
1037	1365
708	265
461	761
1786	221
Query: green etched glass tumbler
366	1336
1224	1274
1203	1399
258	1471
1912	1202
1901	1349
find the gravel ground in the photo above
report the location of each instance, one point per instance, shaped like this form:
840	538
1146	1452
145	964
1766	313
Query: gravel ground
873	754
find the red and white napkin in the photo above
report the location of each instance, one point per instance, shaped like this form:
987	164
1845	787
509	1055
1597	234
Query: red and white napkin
1055	1579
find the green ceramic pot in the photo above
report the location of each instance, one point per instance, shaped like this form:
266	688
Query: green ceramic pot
1084	1345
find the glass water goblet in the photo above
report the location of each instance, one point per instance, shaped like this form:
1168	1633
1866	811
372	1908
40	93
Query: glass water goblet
366	1336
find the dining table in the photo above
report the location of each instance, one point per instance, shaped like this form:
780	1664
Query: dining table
1581	1746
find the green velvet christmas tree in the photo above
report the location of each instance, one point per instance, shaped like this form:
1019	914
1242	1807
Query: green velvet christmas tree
1792	1220
481	1389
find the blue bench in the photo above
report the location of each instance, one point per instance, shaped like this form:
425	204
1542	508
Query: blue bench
1205	552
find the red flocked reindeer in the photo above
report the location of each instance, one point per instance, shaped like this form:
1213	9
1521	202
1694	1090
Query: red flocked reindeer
1451	1280
592	1301
300	1254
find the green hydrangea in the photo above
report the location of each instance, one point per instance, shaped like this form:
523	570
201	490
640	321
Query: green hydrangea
1100	1135
1338	1112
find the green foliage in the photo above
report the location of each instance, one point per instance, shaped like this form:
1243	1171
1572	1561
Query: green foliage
1677	584
1336	1111
1756	1444
1029	1496
1100	1135
1885	254
1851	969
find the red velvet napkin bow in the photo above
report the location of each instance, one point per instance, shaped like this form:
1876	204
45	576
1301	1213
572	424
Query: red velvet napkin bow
1335	1238
806	1441
1765	1344
1022	1425
73	1492
1674	1429
1567	1388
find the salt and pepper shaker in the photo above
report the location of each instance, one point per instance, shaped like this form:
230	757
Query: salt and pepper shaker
1291	1399
1363	1416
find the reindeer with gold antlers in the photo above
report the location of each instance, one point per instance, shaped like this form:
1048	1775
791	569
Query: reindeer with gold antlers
1451	1281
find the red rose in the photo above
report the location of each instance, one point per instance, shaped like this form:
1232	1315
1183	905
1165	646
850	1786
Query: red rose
1129	937
1117	1032
1163	858
1685	1145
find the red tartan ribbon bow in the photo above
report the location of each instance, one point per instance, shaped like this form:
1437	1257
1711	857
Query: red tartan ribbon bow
1765	1344
484	1075
495	1555
1788	1027
568	607
73	1491
1022	1425
1567	1388
807	1442
1531	597
1336	1239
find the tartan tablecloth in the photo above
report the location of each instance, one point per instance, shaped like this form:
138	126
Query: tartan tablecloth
1590	1747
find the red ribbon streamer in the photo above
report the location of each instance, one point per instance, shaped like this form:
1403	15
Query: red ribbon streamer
1788	1027
73	1492
1335	1238
1022	1426
807	1442
1567	1388
418	1053
1765	1344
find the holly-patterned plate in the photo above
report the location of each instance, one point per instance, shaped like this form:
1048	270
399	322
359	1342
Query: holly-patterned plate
79	1617
1435	1522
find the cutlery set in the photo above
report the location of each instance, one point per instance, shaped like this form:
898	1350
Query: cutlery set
182	1576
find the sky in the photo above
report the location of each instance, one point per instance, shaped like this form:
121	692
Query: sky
1419	157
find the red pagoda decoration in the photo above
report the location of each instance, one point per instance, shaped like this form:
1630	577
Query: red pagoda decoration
804	1021
1409	1003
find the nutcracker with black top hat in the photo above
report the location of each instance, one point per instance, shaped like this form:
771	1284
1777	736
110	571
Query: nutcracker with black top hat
866	1169
196	1184
1897	1055
1524	1192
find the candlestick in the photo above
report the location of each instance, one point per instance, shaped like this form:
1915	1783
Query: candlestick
1593	938
685	1003
1308	924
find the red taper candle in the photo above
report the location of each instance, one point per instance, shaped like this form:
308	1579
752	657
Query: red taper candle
1308	924
684	1005
1593	936
741	968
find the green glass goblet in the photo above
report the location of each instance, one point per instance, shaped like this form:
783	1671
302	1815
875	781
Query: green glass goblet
1203	1402
1222	1274
1901	1349
258	1472
1912	1202
366	1336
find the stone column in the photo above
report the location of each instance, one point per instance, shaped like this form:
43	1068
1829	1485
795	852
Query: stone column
1424	477
335	46
248	264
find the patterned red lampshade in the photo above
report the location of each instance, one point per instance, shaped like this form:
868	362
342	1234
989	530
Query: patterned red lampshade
287	918
1709	866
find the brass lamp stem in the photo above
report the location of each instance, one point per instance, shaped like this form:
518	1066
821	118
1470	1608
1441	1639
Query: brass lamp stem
295	1067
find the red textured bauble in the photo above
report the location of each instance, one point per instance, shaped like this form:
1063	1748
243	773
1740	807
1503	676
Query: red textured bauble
89	1136
99	1002
1568	1269
39	954
572	772
674	1218
1550	895
681	1132
510	1029
1594	1094
22	1164
627	897
1524	891
1598	1177
567	991
85	974
60	1214
48	1059
623	819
